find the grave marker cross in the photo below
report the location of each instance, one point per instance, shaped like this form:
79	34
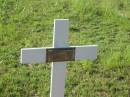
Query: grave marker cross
58	54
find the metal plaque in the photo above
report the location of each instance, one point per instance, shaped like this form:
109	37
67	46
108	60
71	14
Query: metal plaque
60	54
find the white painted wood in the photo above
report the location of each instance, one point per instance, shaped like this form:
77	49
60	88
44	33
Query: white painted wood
58	72
86	52
33	55
61	29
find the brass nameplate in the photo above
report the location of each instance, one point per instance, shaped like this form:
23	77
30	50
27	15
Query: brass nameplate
60	54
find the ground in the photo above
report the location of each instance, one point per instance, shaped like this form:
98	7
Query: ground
29	23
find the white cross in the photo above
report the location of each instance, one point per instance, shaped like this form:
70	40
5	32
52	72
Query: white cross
58	55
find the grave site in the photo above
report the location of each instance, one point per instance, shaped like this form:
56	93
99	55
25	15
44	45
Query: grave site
65	48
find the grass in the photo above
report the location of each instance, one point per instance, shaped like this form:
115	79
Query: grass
29	23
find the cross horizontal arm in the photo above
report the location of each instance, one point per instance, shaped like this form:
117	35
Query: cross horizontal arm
40	55
86	52
33	55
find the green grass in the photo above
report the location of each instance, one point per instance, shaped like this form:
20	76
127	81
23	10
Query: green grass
29	23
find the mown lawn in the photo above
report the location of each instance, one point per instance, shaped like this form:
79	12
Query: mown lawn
29	23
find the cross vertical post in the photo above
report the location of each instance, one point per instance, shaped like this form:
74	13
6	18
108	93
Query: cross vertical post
58	70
